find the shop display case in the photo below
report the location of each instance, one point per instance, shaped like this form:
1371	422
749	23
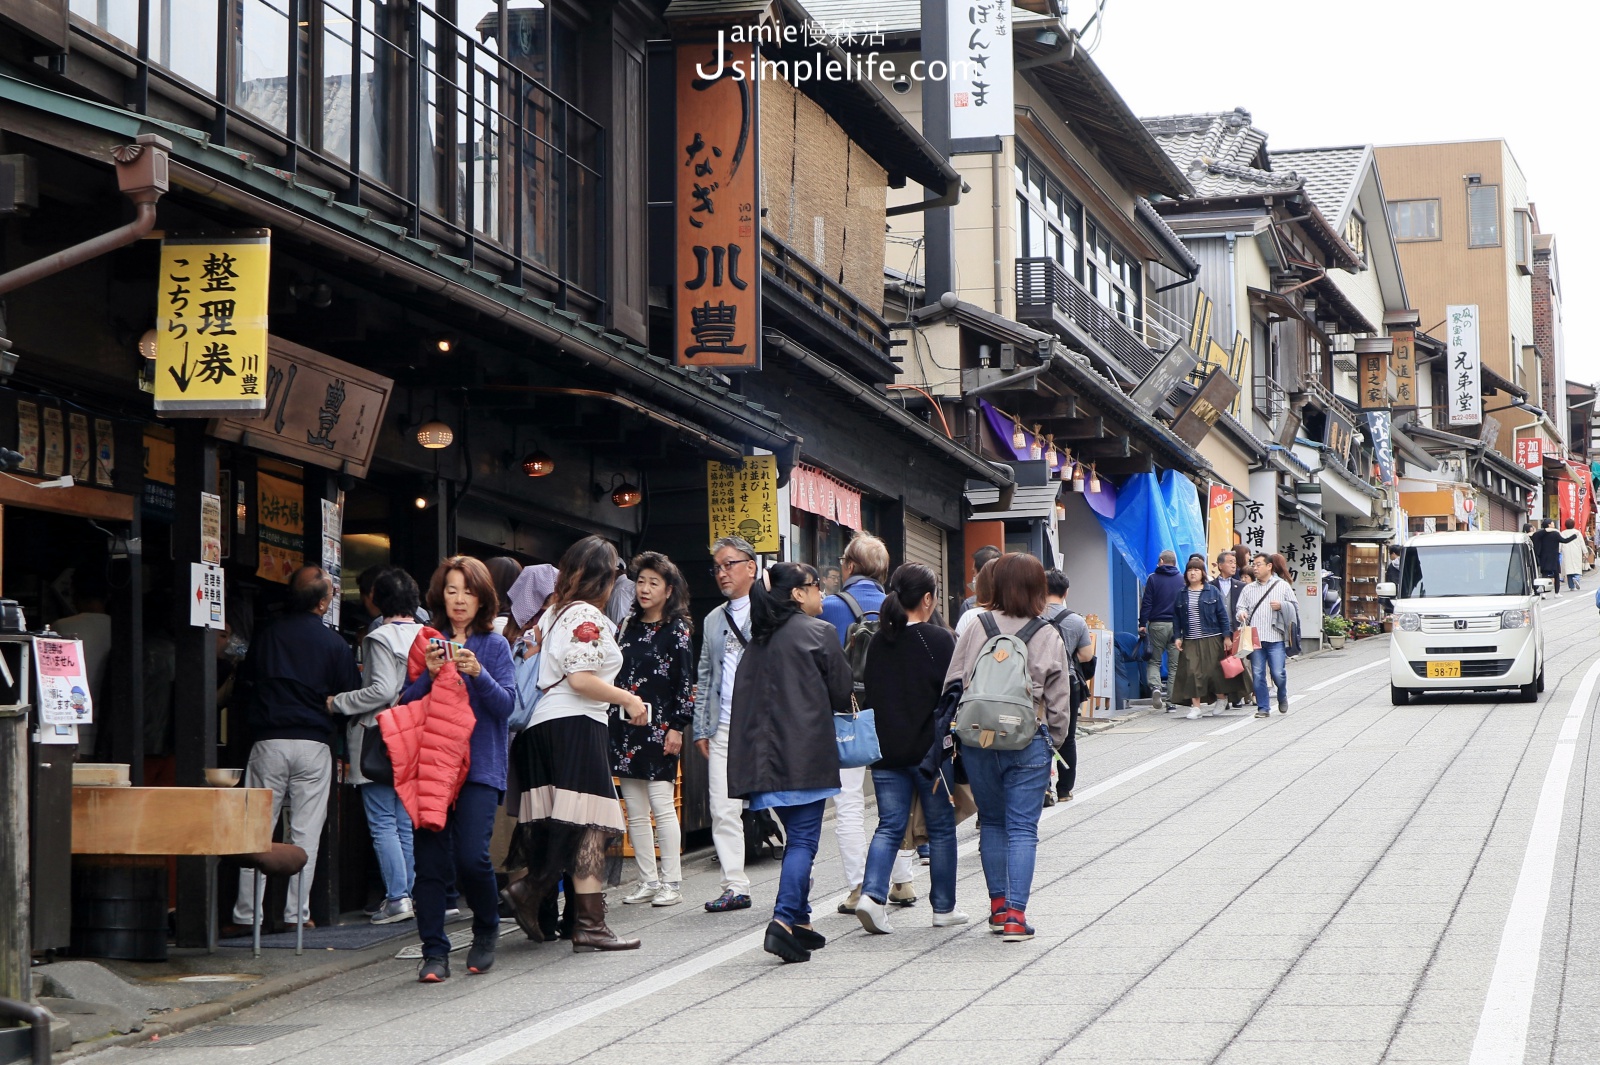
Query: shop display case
1363	569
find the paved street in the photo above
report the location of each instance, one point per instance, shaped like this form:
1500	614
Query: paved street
1347	884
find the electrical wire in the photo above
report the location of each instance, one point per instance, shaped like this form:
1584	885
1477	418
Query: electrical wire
936	407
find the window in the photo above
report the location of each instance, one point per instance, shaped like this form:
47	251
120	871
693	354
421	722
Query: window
1414	219
1049	220
1112	276
1483	216
1522	233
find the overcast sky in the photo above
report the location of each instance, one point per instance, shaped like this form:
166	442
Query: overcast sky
1392	72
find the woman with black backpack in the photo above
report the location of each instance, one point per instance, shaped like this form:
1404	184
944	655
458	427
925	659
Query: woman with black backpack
1009	785
906	663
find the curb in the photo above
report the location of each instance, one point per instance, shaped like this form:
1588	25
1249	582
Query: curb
181	1020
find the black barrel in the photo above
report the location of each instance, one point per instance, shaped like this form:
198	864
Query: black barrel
119	907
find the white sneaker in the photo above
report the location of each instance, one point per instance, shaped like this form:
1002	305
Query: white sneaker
1194	714
950	920
642	893
669	895
873	915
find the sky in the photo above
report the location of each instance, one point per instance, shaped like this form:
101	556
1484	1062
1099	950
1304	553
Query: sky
1316	73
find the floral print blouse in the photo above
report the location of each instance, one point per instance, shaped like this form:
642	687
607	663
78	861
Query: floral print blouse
658	665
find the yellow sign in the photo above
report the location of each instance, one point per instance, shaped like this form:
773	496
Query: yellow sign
744	501
211	324
1219	521
280	528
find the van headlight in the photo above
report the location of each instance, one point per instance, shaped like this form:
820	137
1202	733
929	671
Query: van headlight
1515	619
1408	622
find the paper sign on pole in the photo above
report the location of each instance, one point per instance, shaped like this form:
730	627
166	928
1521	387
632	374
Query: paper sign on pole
211	324
206	609
1463	374
333	554
63	682
211	528
743	501
982	108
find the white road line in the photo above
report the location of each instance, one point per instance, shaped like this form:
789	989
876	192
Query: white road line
667	978
1503	1027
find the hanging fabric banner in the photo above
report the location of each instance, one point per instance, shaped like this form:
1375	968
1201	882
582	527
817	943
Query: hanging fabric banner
1219	520
1382	445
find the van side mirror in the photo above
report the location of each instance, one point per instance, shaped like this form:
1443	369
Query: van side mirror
1386	590
1544	585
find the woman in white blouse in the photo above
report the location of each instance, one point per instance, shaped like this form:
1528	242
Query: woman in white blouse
569	812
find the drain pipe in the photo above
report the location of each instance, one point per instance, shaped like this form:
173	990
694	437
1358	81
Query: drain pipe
142	177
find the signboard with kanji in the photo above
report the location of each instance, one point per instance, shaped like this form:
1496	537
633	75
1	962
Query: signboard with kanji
1302	550
1379	429
743	501
1250	524
1215	395
1403	367
982	108
1463	374
207	609
1374	382
718	213
63	682
1530	452
281	525
211	324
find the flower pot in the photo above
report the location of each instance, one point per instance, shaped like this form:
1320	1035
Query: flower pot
1336	642
1388	624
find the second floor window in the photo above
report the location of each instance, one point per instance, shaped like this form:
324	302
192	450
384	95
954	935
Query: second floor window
1049	220
1483	216
1112	276
1414	219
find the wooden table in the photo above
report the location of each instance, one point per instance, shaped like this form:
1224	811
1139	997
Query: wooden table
184	821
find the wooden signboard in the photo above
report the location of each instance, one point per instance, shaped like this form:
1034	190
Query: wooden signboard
1215	395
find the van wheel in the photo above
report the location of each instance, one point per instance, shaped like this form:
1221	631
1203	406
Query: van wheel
1399	696
1529	692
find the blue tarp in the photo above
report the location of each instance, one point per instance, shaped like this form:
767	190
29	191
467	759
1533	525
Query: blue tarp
1155	515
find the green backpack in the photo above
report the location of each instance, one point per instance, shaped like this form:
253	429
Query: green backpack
997	707
857	637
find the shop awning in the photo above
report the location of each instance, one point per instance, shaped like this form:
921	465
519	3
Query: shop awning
1028	501
1291	509
1340	495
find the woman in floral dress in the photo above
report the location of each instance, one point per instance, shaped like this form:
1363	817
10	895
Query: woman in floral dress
658	666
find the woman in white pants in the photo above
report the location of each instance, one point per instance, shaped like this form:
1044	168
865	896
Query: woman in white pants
658	666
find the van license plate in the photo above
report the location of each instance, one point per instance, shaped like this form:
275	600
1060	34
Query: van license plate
1443	670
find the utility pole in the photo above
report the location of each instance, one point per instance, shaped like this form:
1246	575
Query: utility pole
938	232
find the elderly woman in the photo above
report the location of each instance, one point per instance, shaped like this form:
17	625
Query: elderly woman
781	750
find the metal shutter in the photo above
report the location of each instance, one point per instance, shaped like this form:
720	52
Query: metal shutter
925	543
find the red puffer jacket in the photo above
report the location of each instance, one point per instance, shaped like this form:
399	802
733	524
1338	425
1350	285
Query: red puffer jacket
430	740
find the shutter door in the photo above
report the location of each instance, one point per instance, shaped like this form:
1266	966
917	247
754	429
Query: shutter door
925	543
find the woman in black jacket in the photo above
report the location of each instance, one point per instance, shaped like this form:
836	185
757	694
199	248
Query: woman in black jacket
906	664
1202	632
782	754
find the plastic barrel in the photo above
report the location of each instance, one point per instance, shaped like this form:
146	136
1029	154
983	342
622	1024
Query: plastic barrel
119	908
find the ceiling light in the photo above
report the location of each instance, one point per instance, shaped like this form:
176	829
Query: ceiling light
444	345
435	435
538	464
627	494
421	502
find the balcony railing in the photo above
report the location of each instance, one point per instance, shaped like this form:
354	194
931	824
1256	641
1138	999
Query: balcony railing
1048	294
1271	401
394	108
813	285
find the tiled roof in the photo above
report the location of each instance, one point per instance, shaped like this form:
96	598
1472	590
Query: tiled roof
884	16
1332	176
1221	153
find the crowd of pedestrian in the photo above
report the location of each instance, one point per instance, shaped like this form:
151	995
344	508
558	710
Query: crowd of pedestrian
508	727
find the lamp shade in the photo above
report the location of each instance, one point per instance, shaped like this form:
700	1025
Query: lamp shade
538	464
627	494
435	434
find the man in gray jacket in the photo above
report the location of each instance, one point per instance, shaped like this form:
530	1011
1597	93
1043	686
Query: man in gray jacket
726	634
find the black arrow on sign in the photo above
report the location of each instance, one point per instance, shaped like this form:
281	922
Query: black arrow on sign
182	378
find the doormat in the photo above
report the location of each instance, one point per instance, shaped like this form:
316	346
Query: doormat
230	1035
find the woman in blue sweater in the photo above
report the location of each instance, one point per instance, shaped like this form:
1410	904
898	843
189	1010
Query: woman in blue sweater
462	598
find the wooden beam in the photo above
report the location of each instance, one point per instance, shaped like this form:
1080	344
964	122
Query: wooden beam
79	501
1108	447
1079	428
1138	462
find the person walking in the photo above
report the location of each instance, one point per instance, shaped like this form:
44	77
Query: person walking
980	558
569	811
1009	786
1080	652
385	652
1547	552
906	664
782	755
864	568
1230	583
1202	630
1156	606
291	669
982	599
658	665
462	599
726	635
1268	605
1572	555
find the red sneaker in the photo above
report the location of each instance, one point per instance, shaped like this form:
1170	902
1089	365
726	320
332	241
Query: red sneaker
997	915
1017	929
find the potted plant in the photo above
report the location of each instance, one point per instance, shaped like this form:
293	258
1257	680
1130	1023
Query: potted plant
1362	629
1336	629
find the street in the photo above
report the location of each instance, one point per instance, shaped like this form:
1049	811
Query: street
1349	884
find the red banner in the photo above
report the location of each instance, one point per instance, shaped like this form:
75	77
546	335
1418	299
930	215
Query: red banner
815	492
1585	504
1530	452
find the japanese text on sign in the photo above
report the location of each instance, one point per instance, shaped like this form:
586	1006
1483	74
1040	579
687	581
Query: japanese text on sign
63	682
280	525
1382	444
1302	549
1463	375
1403	367
211	324
1250	523
980	77
1374	384
816	493
743	501
1530	452
1219	520
206	608
719	241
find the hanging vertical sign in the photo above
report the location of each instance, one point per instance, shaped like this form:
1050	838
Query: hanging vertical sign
1530	452
1463	373
1250	524
718	228
1403	367
743	501
281	527
1382	445
1374	386
1219	519
1583	507
980	82
211	324
1302	550
333	554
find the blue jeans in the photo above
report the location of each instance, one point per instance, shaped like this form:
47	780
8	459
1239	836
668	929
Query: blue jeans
802	829
895	789
1572	581
390	826
1008	787
1269	656
459	850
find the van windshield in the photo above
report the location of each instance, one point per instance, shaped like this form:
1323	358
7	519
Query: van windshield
1448	570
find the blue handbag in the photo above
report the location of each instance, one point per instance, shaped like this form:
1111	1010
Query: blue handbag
856	733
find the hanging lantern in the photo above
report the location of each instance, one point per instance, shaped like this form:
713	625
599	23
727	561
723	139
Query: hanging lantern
538	464
1066	465
1019	439
1094	480
1036	449
435	435
1061	511
1077	477
1051	456
627	494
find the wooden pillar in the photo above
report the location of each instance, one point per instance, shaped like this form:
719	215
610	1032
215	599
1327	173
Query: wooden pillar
126	720
195	686
15	945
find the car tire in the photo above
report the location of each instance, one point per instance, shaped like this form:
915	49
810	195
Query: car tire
1529	692
1539	684
1399	696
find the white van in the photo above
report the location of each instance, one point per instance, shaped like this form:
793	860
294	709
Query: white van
1466	616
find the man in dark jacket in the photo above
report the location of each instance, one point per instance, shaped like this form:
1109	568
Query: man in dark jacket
1160	597
292	668
1547	551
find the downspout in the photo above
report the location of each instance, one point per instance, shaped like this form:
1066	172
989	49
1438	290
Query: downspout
142	177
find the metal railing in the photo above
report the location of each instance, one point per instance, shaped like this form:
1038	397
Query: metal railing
831	299
403	112
1271	401
1047	292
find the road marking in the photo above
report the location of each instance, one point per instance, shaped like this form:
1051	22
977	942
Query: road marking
1503	1027
670	977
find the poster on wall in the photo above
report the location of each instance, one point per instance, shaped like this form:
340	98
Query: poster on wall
1302	549
1463	374
333	554
742	501
281	526
63	682
28	436
55	443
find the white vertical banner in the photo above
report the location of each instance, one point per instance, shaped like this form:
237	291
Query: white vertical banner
982	104
1302	549
1463	373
